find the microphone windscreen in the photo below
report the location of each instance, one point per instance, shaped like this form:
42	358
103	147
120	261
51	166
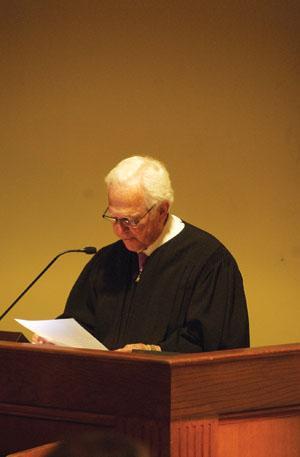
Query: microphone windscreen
90	250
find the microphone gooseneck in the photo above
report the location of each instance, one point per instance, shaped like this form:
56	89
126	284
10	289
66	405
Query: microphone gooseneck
86	250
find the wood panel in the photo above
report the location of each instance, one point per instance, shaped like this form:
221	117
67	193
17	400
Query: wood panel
153	433
238	380
276	434
193	438
217	404
39	451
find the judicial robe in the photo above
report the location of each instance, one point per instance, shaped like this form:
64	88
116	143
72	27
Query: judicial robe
189	297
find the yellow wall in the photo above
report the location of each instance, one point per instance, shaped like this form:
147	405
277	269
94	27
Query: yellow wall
210	88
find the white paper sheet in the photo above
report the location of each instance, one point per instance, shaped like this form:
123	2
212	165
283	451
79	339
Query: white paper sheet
63	332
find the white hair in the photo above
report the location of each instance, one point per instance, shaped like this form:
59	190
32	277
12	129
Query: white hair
148	173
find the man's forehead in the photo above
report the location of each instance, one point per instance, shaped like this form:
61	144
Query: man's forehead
126	197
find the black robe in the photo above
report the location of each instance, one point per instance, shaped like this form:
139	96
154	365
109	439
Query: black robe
189	298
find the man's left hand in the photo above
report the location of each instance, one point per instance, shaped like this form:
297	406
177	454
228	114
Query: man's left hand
139	347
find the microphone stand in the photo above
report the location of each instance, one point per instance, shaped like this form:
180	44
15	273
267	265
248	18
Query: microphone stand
87	250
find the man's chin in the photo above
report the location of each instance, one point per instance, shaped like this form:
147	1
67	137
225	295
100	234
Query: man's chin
132	245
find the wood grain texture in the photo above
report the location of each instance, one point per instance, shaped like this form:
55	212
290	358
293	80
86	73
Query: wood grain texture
193	438
39	451
98	381
271	435
154	433
239	380
186	405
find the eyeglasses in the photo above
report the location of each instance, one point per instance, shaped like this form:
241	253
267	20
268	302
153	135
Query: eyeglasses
131	222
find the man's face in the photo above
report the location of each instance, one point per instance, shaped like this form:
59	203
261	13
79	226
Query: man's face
130	202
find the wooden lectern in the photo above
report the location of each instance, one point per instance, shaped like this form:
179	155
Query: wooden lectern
237	403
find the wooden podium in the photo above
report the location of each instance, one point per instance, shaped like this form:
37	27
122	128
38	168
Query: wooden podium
237	403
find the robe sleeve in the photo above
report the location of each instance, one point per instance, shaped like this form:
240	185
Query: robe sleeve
80	303
216	316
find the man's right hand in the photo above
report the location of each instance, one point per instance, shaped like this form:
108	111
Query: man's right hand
37	339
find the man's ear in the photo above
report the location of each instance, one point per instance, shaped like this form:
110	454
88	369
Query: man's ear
164	208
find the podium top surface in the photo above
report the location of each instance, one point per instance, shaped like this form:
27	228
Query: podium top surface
154	357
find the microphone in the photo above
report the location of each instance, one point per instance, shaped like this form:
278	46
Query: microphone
87	250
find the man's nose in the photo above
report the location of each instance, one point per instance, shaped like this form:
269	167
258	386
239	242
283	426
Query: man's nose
120	228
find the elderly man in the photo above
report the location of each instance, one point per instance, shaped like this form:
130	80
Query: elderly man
165	285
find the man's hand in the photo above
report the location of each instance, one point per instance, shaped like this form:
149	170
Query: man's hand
37	339
140	347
